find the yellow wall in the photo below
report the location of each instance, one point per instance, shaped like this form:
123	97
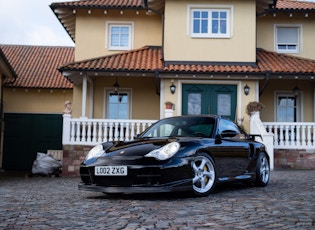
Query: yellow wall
91	31
266	36
145	102
240	47
306	98
35	101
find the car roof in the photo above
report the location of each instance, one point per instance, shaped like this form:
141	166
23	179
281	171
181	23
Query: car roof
199	115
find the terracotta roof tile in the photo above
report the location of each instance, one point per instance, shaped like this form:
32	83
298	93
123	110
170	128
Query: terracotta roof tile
144	59
6	69
149	59
282	63
36	66
99	4
295	5
211	68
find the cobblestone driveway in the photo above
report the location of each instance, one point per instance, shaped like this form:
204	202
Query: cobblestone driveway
288	202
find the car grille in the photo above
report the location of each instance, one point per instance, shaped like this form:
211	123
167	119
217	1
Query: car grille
148	176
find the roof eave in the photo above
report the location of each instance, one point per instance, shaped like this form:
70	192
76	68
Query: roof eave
6	69
66	14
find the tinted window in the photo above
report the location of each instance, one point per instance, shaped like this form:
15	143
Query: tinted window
182	126
229	129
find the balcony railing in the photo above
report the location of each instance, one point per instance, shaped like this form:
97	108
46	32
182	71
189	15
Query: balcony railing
292	135
84	131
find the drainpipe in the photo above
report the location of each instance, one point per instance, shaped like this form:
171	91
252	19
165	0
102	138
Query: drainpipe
157	83
145	6
265	83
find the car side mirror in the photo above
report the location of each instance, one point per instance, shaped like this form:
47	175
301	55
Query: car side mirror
228	134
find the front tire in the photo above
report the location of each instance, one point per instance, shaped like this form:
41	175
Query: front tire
262	170
204	174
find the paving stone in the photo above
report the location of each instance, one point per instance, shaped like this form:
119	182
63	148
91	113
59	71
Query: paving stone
51	203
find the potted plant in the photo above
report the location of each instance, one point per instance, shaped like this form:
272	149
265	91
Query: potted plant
168	105
254	106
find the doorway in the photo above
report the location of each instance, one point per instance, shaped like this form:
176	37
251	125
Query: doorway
209	99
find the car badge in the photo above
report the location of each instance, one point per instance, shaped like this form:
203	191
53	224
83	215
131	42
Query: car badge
122	152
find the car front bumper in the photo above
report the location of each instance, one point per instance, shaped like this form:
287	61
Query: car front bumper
174	176
184	186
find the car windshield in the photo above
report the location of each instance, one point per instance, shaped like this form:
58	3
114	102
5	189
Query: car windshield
181	127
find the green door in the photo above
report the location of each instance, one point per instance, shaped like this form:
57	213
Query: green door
210	99
27	134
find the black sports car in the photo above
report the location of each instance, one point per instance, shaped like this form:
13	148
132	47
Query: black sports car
185	153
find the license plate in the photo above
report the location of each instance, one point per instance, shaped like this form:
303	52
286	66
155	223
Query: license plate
110	171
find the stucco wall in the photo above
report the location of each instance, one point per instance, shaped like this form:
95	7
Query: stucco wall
306	98
91	40
17	100
145	102
266	37
240	47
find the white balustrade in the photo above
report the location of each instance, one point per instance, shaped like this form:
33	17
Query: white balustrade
292	135
84	131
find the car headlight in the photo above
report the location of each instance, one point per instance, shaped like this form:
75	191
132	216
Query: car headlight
165	152
96	151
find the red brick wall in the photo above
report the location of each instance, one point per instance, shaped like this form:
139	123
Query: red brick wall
294	158
73	155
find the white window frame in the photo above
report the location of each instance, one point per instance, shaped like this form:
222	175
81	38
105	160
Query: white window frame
298	48
210	8
107	92
299	104
109	25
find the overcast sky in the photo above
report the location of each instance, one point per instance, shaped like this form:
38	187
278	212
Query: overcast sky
31	22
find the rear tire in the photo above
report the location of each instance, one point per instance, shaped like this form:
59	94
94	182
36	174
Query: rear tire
204	174
262	170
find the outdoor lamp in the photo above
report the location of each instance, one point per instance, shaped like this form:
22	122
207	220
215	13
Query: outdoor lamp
296	91
246	89
172	87
116	86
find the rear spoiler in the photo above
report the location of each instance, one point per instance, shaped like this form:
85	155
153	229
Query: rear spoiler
252	136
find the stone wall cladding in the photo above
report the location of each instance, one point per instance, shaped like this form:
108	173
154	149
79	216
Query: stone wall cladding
294	158
73	155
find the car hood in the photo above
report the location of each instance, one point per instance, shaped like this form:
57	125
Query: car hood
135	150
138	147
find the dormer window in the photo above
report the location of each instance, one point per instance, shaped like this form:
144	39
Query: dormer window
287	38
120	35
210	21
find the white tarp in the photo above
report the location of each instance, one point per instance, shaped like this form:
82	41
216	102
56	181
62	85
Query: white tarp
46	165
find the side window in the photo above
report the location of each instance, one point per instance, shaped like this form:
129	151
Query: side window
118	104
287	39
204	130
287	108
210	22
228	129
164	130
119	36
